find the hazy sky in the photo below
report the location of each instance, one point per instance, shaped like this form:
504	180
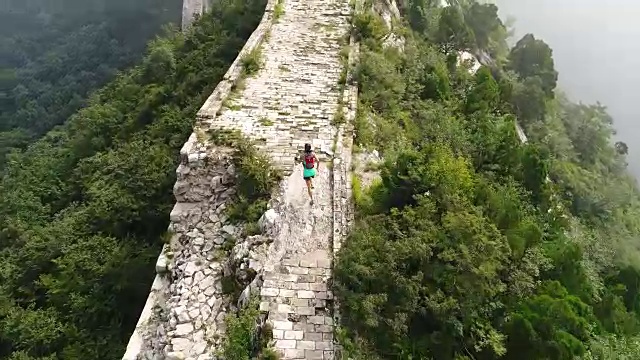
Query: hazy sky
596	48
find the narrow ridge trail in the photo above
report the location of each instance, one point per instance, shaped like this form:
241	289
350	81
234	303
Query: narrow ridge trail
292	100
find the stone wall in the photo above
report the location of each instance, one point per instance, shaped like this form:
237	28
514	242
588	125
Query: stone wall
209	268
193	8
184	311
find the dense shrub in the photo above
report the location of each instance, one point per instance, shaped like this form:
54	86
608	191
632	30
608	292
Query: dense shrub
463	249
83	210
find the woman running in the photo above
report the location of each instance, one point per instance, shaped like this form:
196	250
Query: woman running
309	163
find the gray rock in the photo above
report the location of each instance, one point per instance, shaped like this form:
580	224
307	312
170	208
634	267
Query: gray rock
194	313
181	187
182	315
229	229
176	355
199	348
268	220
184	329
243	299
198	277
213	217
162	264
190	269
181	344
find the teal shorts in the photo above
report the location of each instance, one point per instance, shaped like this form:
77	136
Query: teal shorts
308	173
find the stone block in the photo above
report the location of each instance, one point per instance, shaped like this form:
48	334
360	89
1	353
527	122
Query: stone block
299	270
300	302
313	336
264	306
302	326
269	291
305	310
162	263
306	345
313	354
324	328
306	294
318	286
293	354
324	263
324	345
285	309
290	262
285	344
282	325
287	293
293	335
308	263
301	286
319	320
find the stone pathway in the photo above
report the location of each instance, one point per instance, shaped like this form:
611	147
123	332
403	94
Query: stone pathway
294	98
300	305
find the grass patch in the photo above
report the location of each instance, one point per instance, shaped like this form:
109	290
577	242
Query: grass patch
269	354
228	103
230	286
366	200
278	10
339	118
265	121
354	347
201	136
236	90
252	228
252	62
284	68
244	339
224	137
166	237
372	166
237	87
256	179
241	330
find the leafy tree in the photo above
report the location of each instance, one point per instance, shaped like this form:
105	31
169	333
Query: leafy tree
453	32
484	21
545	231
83	209
551	325
59	51
531	57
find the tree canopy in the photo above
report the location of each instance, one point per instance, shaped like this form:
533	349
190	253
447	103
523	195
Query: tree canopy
54	53
83	209
472	244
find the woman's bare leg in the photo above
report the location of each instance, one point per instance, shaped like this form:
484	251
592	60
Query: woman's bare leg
309	186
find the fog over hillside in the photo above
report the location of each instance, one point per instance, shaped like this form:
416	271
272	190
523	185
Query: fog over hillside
596	51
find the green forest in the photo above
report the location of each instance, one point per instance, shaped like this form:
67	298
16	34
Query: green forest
54	53
472	245
469	246
86	187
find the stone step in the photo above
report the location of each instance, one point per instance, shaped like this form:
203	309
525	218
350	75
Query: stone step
299	303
